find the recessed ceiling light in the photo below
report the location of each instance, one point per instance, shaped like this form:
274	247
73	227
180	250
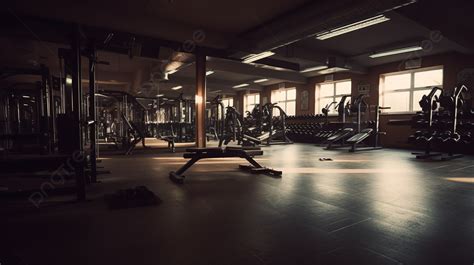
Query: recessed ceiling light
209	72
241	85
261	80
396	51
352	27
256	57
176	88
315	68
160	95
26	96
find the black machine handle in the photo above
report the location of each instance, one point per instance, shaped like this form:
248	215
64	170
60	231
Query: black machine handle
433	92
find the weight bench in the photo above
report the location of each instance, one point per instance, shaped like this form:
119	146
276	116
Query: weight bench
359	137
196	154
340	136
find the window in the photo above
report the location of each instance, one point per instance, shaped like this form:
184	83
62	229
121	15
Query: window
228	102
286	99
331	92
403	90
250	100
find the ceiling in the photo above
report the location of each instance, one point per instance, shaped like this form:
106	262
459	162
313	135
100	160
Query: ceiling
232	29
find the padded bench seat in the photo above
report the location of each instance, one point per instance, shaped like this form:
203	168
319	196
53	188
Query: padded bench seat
196	154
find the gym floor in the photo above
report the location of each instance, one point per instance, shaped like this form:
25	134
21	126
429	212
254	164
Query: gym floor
379	207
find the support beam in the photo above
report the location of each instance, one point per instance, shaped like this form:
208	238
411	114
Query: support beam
255	70
210	83
200	99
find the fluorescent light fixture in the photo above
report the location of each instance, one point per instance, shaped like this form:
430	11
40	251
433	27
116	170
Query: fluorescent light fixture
172	72
273	67
176	88
333	70
160	95
26	96
256	57
352	27
261	80
209	72
396	51
241	85
100	95
315	68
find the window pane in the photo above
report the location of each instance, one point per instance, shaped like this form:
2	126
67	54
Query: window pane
291	94
417	95
397	101
228	102
277	96
290	108
429	78
323	103
343	88
326	90
393	82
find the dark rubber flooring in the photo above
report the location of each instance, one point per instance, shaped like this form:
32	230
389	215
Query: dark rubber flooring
379	207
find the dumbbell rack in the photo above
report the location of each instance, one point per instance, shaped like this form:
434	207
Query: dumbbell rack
450	138
429	100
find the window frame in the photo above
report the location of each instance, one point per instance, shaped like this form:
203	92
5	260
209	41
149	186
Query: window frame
283	104
246	101
412	89
317	102
228	100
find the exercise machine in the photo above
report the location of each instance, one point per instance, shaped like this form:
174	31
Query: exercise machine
373	131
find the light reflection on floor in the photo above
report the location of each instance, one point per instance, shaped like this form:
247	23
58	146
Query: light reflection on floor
311	170
462	180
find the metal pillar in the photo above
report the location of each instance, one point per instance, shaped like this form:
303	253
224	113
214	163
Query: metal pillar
78	153
92	113
200	100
